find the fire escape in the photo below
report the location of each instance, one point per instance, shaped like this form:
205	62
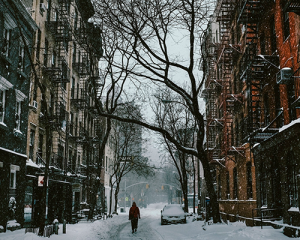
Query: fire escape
210	94
225	55
57	70
292	6
82	99
255	71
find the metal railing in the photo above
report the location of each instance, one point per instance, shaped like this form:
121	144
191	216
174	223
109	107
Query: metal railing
266	215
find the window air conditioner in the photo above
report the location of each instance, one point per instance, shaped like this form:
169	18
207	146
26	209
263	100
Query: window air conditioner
43	7
284	76
35	104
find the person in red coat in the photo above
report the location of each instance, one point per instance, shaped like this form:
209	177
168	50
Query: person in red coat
134	215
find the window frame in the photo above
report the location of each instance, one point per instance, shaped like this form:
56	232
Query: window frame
2	113
13	182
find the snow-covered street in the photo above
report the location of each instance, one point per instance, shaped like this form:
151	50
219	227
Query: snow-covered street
118	228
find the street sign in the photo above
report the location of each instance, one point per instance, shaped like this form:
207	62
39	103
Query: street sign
126	158
41	181
126	199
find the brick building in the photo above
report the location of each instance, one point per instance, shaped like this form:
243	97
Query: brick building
63	127
251	93
17	30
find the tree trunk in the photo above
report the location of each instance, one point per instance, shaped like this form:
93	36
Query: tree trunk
116	197
210	188
194	184
110	196
184	182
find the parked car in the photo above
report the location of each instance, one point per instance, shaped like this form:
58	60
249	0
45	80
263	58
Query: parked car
173	213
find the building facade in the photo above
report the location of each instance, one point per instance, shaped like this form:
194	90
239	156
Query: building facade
63	123
49	126
17	31
251	92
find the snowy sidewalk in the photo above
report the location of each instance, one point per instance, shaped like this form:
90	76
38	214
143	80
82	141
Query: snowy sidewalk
101	229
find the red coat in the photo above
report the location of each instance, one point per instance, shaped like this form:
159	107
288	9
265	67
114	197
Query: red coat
135	212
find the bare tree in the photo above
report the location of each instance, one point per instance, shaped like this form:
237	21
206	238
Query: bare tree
159	45
179	121
128	141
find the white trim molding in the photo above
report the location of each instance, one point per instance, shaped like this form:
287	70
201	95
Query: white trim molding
4	84
20	96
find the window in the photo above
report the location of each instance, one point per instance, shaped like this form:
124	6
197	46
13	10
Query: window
38	45
70	159
6	42
280	120
20	97
262	44
60	157
292	179
227	185
73	88
249	181
106	163
74	53
4	86
21	62
235	184
263	184
18	115
13	176
46	53
41	142
53	60
71	123
31	143
2	105
286	25
273	36
74	162
65	73
275	181
75	19
266	110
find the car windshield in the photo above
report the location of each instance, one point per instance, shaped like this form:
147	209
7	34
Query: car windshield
174	209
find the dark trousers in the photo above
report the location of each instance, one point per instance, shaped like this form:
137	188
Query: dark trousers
134	223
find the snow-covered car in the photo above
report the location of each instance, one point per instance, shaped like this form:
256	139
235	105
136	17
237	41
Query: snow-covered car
173	213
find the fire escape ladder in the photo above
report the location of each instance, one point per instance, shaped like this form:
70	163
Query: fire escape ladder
225	17
292	6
